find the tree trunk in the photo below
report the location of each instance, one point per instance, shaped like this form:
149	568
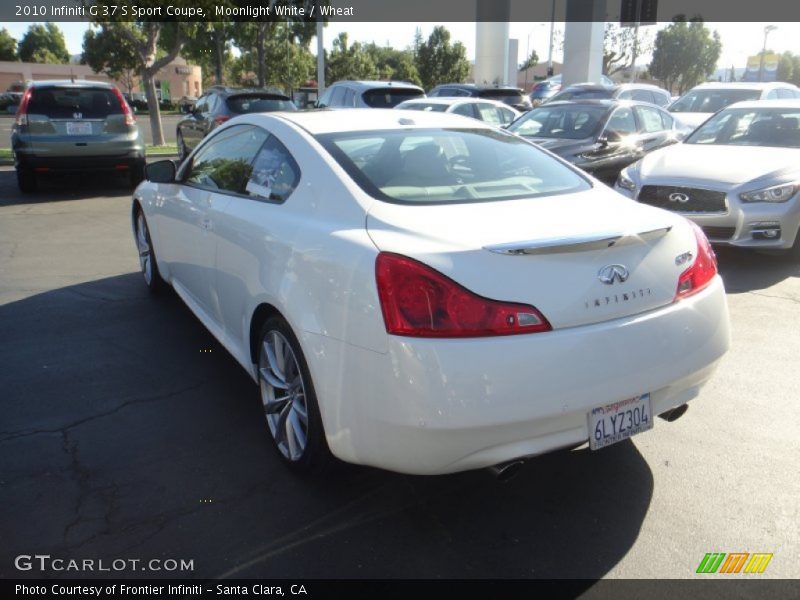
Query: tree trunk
148	80
260	54
219	46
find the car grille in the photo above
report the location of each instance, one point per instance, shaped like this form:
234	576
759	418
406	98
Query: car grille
699	201
719	233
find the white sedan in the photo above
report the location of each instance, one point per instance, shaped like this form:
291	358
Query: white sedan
493	112
428	294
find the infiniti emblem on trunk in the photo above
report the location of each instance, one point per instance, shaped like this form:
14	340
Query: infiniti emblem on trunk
612	273
678	197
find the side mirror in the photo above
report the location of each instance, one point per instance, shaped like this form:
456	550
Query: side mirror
162	171
602	141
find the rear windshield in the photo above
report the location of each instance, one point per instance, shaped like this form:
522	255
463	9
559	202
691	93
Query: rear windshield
389	97
435	166
74	103
251	103
507	96
710	101
776	127
590	94
426	106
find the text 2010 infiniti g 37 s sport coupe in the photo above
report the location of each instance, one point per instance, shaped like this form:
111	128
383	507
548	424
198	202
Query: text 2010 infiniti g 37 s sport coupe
424	293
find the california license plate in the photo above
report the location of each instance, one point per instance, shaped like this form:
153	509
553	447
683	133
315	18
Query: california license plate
618	421
79	128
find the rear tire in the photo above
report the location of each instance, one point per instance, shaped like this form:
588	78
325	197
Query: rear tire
289	400
26	180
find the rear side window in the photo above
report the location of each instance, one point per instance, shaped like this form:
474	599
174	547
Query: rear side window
275	172
643	96
389	97
250	103
467	110
784	93
74	103
224	163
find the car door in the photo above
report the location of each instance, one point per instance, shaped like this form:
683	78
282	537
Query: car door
249	249
617	147
189	216
654	131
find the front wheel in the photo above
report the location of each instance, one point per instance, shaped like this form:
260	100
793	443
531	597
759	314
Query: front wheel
147	256
289	400
26	180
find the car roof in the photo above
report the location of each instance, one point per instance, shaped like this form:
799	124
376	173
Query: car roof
368	85
224	89
606	102
370	119
475	86
776	103
78	83
741	85
450	100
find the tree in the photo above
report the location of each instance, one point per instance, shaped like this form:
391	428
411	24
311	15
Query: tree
349	61
107	50
685	54
439	61
211	49
795	70
393	64
618	47
530	62
43	44
8	46
785	67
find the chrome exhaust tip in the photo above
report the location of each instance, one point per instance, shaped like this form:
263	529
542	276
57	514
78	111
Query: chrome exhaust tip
506	471
674	414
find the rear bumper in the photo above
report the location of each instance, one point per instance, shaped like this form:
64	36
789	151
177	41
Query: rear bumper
441	406
78	163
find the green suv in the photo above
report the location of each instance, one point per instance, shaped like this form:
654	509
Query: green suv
75	126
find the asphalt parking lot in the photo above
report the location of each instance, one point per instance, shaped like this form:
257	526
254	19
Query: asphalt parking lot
128	432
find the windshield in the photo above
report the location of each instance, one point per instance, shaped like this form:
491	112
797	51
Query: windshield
710	101
777	127
505	96
569	121
426	106
430	166
390	97
252	103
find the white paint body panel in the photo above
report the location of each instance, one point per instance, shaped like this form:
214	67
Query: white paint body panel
439	405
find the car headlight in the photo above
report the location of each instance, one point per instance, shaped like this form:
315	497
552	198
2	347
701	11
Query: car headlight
775	193
625	182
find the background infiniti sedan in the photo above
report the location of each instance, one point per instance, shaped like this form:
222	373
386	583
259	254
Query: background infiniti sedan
491	111
429	295
599	136
219	104
737	176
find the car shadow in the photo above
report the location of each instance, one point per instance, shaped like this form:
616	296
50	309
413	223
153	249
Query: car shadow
128	431
55	187
746	270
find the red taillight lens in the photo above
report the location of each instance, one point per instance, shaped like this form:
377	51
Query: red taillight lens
419	301
220	119
21	118
702	271
126	110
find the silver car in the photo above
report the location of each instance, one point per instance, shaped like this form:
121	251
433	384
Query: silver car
75	126
737	176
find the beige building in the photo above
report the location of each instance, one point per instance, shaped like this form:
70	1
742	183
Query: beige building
174	81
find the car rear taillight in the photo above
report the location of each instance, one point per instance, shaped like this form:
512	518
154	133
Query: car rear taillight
418	301
702	271
126	110
21	117
220	119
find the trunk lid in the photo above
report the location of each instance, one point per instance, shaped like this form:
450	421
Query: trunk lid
548	252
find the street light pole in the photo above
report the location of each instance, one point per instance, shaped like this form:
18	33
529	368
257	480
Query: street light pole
767	30
550	51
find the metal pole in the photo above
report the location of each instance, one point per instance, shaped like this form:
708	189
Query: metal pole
320	60
527	66
635	49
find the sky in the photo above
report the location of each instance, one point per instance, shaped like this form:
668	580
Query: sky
739	40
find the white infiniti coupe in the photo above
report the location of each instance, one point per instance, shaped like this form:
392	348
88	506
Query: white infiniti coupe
426	294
